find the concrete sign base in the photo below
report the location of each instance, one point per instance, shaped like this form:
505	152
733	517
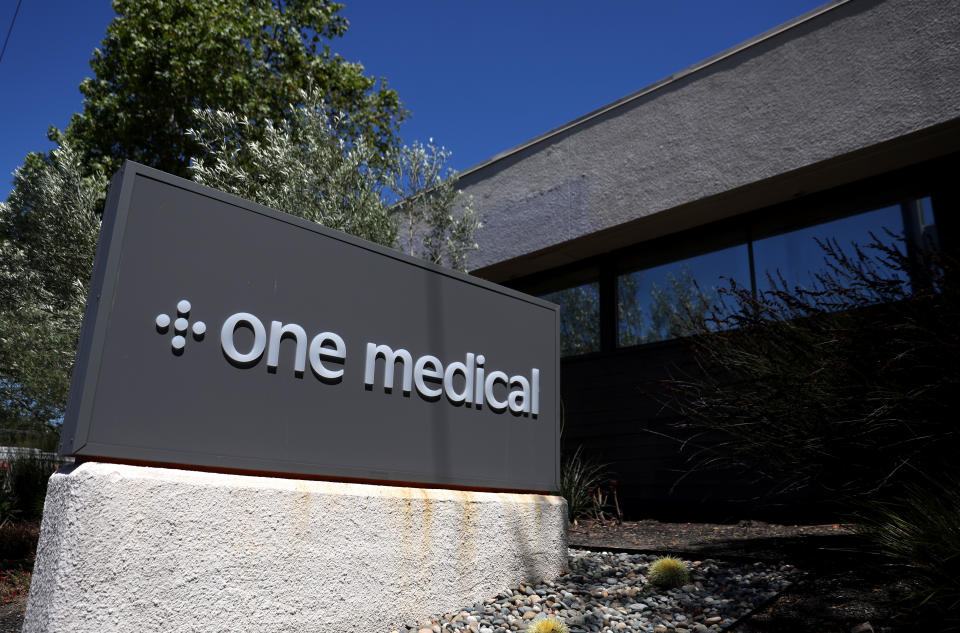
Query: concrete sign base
128	548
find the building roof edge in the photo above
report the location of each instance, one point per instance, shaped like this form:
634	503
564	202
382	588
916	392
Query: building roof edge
753	41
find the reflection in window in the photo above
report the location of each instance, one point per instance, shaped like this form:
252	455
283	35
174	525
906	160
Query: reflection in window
656	304
579	318
798	258
659	303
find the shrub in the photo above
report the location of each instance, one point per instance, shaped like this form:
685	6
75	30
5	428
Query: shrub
834	389
18	541
668	573
23	486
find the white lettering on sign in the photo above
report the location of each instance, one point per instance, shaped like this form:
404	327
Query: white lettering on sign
259	338
476	388
320	351
421	373
463	383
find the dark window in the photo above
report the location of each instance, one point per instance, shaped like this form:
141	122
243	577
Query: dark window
797	258
654	304
579	318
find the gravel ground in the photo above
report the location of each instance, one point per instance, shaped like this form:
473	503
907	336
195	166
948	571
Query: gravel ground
846	588
608	592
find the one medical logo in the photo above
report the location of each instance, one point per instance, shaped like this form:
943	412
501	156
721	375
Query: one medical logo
180	326
470	382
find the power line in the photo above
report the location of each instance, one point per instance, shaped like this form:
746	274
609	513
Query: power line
10	30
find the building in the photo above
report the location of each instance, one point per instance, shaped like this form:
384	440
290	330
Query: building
842	121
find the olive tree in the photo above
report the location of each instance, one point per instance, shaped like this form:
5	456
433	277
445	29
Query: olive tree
304	166
49	228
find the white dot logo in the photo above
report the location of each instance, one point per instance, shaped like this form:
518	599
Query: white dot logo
180	326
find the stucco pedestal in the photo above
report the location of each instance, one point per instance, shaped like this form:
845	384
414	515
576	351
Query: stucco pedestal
127	548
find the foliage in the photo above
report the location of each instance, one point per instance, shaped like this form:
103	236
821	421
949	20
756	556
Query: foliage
49	228
675	305
630	314
545	623
918	529
163	59
673	308
302	165
668	572
428	227
833	388
13	584
23	485
579	318
579	477
18	540
668	313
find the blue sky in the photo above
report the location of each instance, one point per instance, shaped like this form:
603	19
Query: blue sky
478	77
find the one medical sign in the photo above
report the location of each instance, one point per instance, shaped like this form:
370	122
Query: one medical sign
224	335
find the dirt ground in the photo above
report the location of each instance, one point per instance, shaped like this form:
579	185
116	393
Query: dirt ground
11	615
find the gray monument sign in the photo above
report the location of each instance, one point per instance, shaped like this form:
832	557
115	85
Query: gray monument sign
224	335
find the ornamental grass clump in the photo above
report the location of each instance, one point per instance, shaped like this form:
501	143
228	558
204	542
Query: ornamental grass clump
544	623
668	573
579	477
918	531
